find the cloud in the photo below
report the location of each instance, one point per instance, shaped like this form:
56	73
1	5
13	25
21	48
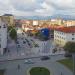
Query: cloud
62	3
46	9
66	7
37	7
26	5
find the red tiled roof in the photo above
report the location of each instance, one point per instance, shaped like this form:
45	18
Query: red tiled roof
66	29
54	27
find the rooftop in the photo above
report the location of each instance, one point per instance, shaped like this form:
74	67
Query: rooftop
7	15
70	29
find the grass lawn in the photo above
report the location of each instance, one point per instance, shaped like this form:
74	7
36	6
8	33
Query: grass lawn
67	62
2	72
39	71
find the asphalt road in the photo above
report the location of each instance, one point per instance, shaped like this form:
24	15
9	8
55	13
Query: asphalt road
55	68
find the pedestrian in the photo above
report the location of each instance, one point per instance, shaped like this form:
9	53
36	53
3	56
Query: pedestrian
8	50
18	66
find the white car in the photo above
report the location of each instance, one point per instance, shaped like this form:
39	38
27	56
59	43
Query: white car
29	61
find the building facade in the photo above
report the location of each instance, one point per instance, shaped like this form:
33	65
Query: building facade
9	19
63	35
3	36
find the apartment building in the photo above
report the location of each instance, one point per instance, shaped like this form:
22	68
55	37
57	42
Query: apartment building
9	18
3	36
63	35
70	23
56	21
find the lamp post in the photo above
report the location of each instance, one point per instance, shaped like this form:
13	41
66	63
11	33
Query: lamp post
73	56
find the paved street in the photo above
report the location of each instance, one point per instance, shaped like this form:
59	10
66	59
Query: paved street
25	51
18	56
55	68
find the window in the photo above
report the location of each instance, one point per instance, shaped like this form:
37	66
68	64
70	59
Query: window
4	26
62	38
0	26
72	33
72	38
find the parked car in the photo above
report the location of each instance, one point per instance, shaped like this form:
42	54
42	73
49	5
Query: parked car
24	42
36	45
17	42
19	46
45	58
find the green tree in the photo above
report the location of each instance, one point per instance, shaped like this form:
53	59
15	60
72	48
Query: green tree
9	28
13	34
70	47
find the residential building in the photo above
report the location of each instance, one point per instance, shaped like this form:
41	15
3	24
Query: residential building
70	23
56	21
3	36
62	35
9	19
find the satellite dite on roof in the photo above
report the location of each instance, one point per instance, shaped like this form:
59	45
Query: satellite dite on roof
35	23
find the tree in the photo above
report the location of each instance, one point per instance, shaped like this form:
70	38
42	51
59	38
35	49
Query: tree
69	47
9	28
13	34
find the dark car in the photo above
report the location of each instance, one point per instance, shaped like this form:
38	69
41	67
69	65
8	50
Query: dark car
29	44
17	42
45	58
19	46
68	55
24	42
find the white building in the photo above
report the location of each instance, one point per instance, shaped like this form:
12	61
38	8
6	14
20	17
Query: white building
3	36
63	35
35	22
56	21
70	23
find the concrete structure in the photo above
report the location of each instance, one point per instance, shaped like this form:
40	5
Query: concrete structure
3	36
63	35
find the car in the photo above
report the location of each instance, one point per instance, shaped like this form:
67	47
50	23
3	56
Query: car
24	42
45	58
68	55
31	40
28	61
36	45
19	46
17	42
29	44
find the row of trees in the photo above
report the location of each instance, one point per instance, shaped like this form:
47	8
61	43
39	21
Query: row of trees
12	32
69	48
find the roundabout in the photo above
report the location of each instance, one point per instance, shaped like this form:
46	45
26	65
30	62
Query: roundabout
39	71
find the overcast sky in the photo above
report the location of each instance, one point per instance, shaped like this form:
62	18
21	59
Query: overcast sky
37	7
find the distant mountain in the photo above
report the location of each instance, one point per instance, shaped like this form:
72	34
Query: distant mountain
65	17
33	17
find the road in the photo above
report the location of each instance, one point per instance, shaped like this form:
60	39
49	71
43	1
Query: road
54	67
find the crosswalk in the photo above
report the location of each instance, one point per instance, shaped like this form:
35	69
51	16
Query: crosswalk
46	47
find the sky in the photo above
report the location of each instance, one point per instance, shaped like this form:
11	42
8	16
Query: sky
37	7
